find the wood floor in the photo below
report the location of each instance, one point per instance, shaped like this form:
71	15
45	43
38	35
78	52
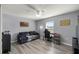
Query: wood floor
40	47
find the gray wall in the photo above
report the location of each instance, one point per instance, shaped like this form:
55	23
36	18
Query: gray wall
0	32
12	23
66	32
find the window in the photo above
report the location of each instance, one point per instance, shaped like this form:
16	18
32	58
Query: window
50	26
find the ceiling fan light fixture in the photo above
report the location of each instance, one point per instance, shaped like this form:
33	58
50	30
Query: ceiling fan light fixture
38	14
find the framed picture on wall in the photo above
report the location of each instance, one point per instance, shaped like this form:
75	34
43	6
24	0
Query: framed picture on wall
24	24
65	22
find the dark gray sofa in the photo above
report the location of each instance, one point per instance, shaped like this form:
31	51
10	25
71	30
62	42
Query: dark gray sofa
23	37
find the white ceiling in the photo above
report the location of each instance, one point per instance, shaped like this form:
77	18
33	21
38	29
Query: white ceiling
38	11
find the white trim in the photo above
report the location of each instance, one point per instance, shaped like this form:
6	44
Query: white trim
66	44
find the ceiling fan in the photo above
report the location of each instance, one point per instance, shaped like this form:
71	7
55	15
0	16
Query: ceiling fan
38	12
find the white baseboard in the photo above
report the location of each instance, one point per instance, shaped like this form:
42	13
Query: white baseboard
66	44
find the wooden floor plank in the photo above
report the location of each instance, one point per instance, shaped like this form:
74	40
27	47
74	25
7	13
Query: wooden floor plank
40	47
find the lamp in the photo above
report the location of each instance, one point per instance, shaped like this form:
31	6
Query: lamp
41	27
